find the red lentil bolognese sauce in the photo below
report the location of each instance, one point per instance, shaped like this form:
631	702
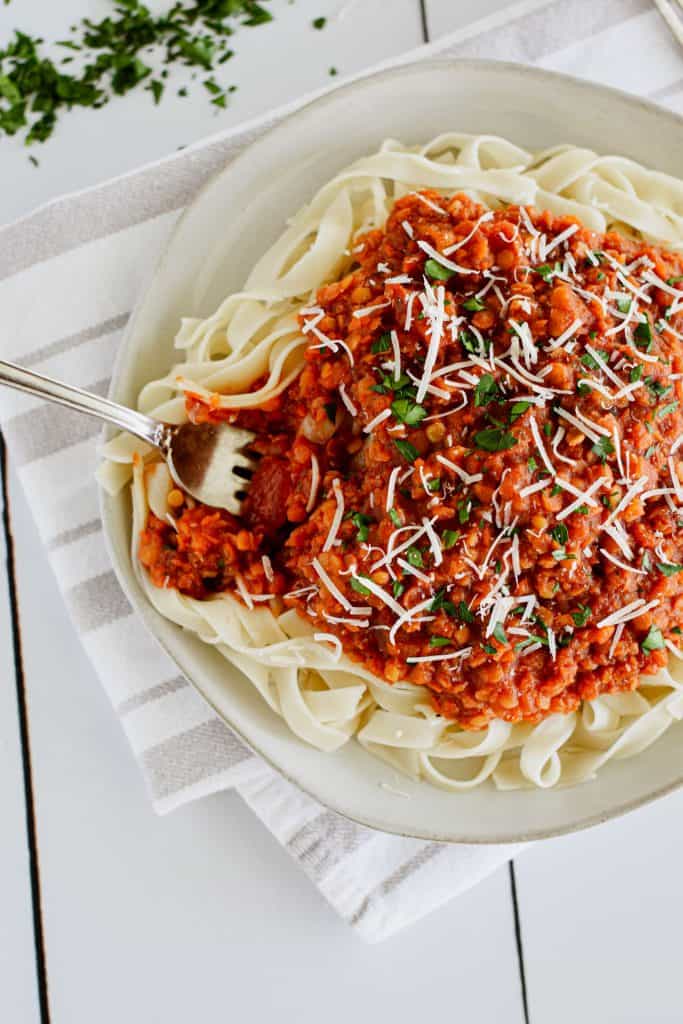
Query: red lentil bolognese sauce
474	483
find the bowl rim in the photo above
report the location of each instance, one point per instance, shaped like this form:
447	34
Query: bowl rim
106	503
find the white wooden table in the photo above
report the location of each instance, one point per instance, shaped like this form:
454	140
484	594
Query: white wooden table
110	914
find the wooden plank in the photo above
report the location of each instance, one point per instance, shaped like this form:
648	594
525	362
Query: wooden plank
169	918
18	986
599	914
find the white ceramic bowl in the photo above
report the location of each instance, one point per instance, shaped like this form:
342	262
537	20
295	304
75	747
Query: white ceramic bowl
224	231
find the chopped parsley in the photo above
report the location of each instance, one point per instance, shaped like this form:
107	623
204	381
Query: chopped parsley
654	641
434	484
603	448
474	305
636	373
362	524
319	23
494	440
581	615
414	557
560	533
592	363
36	90
449	538
669	568
397	588
499	633
406	449
408	412
359	588
382	344
518	409
666	410
437	271
486	390
395	517
488	649
439	641
643	335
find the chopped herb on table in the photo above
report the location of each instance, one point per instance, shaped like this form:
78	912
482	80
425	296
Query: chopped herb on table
113	57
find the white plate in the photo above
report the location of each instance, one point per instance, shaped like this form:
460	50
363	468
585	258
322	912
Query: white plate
228	226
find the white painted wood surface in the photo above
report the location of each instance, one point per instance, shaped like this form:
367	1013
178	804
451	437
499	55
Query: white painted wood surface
201	914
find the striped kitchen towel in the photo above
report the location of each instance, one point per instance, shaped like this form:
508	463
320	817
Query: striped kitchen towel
69	276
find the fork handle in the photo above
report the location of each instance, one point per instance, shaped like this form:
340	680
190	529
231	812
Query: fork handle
79	400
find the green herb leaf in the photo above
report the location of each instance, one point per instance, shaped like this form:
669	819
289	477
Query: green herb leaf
397	588
603	448
395	517
636	373
408	412
437	271
319	23
359	588
489	648
499	633
406	449
382	344
449	538
362	524
518	409
592	363
414	557
654	641
643	335
494	440
669	568
439	641
486	390
666	410
581	615
474	305
560	533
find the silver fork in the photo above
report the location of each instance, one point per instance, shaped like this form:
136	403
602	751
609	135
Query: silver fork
210	461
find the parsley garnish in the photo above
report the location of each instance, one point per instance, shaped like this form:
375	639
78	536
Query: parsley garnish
319	23
518	409
434	484
439	641
494	440
449	538
643	335
382	344
623	304
414	557
362	524
669	568
488	648
437	271
581	615
499	633
408	412
464	613
35	90
603	448
635	374
359	588
486	390
560	533
654	641
592	363
395	517
397	588
406	449
666	410
474	305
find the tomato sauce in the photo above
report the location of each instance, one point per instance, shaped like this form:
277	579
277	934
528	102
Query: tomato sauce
495	515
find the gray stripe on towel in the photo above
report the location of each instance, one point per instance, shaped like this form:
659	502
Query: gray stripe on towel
399	876
326	840
150	696
45	430
97	601
61	540
188	758
62	345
